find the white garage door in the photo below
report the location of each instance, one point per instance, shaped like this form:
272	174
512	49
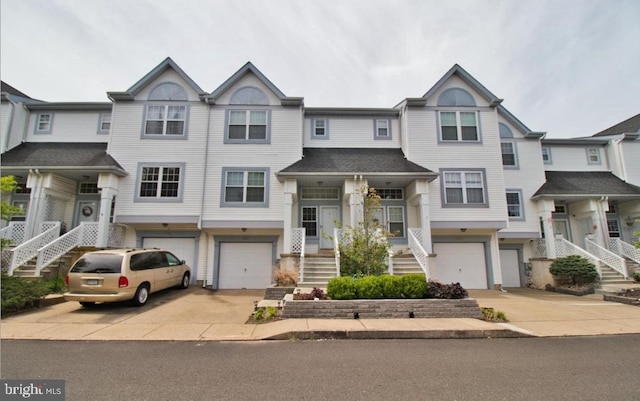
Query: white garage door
183	248
462	263
510	268
245	265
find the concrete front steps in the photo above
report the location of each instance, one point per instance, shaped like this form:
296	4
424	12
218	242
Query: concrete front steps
610	276
320	268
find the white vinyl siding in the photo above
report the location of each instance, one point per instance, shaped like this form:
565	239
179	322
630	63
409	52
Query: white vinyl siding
576	158
344	132
68	126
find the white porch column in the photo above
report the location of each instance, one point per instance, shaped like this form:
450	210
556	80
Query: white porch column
425	222
37	205
108	184
545	210
290	196
357	208
288	221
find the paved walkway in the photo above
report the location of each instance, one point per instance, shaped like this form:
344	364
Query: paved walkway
201	315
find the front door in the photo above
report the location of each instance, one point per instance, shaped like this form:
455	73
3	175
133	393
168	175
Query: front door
328	219
87	211
561	227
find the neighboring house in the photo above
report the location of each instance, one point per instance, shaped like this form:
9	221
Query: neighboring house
230	180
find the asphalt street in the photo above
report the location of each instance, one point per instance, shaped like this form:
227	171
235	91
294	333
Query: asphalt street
575	368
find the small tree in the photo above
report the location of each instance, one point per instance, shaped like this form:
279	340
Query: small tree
364	248
576	268
7	184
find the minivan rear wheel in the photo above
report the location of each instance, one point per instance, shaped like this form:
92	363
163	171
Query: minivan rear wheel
185	281
142	295
87	304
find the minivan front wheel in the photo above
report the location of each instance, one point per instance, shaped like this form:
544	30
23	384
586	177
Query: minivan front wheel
142	295
185	281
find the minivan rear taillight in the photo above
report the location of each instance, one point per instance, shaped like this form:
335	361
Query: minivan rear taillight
66	280
123	282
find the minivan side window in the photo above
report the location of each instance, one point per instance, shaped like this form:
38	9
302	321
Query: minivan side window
143	261
172	259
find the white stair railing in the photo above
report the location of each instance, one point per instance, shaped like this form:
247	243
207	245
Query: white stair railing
86	234
29	249
14	232
415	244
298	237
625	249
607	257
566	248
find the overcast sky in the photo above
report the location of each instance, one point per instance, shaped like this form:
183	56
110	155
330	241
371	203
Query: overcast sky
569	68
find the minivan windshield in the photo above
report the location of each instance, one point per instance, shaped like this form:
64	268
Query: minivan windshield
98	263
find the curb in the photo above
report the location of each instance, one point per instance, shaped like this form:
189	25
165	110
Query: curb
397	334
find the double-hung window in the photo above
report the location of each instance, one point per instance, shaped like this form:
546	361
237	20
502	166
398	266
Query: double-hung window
160	182
104	123
391	218
382	129
509	158
464	188
245	187
459	126
514	205
167	120
247	126
593	155
546	155
44	122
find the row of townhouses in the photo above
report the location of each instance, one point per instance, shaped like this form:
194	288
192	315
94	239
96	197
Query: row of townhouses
245	180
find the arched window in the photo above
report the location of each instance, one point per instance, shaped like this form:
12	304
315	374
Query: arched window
456	97
505	132
249	95
168	91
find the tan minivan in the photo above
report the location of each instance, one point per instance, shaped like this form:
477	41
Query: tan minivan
124	274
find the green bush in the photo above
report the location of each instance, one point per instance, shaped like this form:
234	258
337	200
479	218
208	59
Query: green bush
341	288
19	293
576	268
414	285
369	287
636	276
391	287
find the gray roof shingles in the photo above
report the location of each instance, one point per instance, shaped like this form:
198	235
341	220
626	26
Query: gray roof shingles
599	183
354	160
56	154
629	125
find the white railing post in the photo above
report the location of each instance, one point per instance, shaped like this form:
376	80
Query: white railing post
390	261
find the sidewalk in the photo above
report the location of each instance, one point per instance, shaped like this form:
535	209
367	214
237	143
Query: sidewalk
201	315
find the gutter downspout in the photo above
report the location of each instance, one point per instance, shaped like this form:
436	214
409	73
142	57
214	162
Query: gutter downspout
204	181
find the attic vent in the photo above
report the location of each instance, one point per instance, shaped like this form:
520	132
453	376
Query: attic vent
168	91
249	95
456	97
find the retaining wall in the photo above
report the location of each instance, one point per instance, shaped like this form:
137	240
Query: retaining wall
383	309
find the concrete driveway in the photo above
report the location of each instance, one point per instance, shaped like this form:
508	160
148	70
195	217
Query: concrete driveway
168	315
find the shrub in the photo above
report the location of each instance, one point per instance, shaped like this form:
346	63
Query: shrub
636	276
286	278
369	287
391	287
446	291
492	315
576	268
272	312
19	293
341	288
414	285
315	293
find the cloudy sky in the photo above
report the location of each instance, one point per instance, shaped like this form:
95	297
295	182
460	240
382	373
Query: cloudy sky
569	68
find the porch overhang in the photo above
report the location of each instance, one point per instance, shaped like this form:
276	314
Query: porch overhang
581	185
